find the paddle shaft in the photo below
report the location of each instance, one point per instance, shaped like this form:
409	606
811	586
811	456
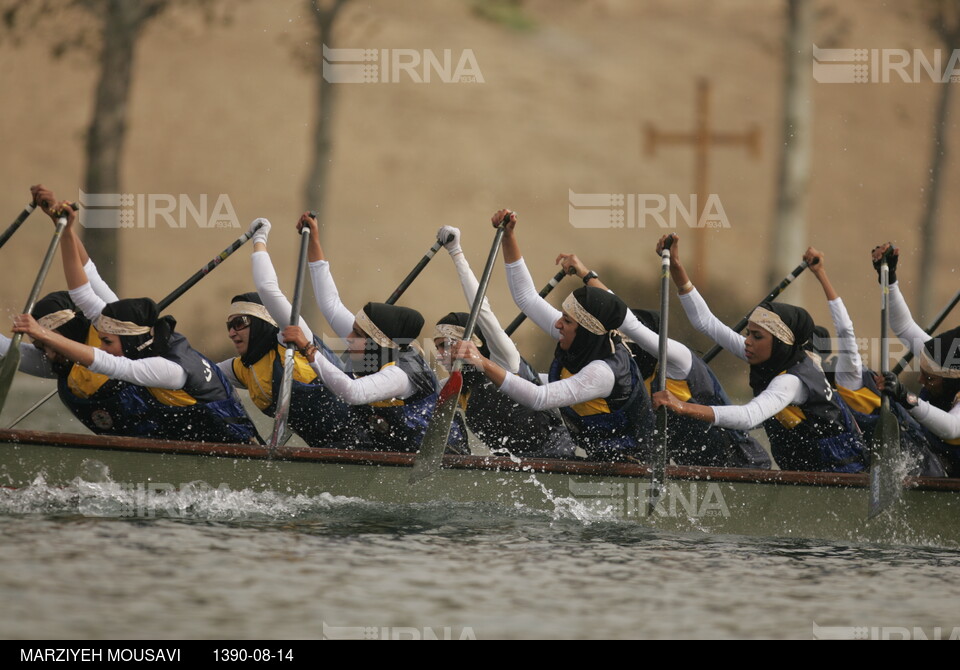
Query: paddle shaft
8	233
777	290
658	471
544	292
166	302
885	445
415	272
8	368
434	444
280	431
941	317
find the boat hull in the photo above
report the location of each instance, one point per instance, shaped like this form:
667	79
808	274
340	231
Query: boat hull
712	500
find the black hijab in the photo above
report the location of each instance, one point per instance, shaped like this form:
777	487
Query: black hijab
263	334
587	347
142	312
944	349
401	324
75	329
783	356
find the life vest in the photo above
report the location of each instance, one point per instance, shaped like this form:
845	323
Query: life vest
615	427
502	423
947	450
693	442
105	406
398	424
820	435
316	414
864	404
206	409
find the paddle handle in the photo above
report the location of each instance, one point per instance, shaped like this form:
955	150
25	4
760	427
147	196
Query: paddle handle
544	292
206	269
8	233
776	291
658	470
415	272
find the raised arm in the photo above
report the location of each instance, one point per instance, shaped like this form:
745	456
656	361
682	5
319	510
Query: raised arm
901	320
266	282
502	349
849	363
324	289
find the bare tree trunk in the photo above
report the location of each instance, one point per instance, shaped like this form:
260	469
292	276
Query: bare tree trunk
122	24
315	188
931	210
790	227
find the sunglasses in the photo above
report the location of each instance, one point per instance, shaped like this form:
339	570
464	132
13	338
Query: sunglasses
238	323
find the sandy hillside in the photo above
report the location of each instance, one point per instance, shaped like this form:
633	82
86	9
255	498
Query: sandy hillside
226	110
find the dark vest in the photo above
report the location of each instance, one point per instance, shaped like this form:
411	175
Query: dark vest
615	427
820	435
502	423
692	442
864	404
398	424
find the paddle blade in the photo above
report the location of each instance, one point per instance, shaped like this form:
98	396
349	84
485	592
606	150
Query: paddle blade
430	456
658	479
8	369
281	431
885	484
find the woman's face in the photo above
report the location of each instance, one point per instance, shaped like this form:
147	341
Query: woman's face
443	352
357	343
568	331
111	344
238	330
759	344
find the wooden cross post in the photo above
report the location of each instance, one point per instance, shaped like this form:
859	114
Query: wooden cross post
702	137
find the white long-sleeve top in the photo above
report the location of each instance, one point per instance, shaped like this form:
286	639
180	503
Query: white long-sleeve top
154	372
386	384
782	392
503	351
945	425
595	380
32	360
679	357
268	288
849	363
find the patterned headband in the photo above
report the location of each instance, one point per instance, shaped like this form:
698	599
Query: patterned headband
774	325
252	309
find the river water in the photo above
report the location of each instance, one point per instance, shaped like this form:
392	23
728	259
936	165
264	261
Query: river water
215	564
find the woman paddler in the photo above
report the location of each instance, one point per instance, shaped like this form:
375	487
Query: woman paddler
316	415
808	424
179	394
937	408
391	389
593	378
856	385
498	421
691	442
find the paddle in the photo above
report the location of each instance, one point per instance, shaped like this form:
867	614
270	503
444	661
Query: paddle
658	469
8	233
777	290
414	273
885	486
166	302
10	363
281	431
434	443
544	292
941	317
